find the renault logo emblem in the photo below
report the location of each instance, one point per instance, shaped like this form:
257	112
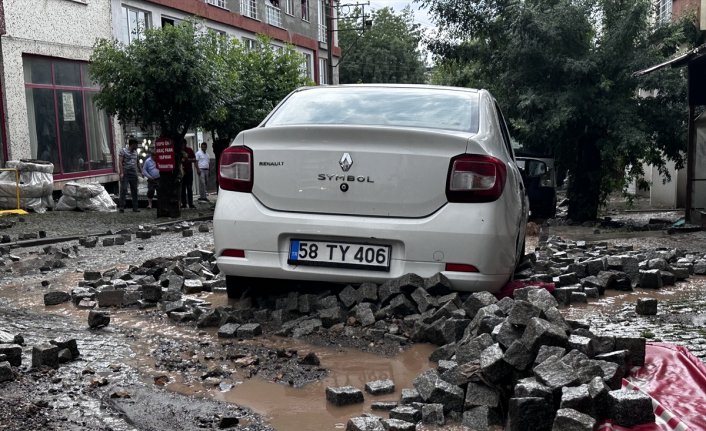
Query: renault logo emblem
346	162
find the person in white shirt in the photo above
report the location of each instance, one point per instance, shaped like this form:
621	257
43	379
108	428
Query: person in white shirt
203	165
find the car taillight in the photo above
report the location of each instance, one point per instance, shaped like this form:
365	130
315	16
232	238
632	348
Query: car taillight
460	267
232	252
236	173
475	178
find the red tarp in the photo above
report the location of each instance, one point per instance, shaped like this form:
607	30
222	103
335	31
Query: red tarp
676	381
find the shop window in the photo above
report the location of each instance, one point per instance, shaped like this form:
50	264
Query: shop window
65	125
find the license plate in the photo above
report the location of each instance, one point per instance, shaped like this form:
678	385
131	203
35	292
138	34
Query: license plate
339	254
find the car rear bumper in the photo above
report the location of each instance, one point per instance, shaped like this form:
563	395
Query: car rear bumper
482	235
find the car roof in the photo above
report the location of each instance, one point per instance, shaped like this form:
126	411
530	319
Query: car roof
391	86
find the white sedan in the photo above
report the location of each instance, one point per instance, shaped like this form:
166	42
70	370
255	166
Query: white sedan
359	183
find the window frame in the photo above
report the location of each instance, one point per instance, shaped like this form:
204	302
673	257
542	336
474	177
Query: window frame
148	22
83	88
305	10
289	7
217	3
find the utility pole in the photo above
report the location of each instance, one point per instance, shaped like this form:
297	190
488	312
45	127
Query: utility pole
329	40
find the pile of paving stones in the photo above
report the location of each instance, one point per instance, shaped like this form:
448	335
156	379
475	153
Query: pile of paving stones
498	360
143	232
49	354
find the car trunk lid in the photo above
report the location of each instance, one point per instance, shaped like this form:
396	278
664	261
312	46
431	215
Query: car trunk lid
353	170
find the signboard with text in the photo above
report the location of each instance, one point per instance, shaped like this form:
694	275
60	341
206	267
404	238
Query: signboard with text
164	154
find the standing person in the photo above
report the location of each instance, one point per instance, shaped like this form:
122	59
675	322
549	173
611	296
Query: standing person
127	168
203	164
150	171
188	159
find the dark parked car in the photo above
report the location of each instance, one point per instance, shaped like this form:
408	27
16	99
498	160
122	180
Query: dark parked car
540	181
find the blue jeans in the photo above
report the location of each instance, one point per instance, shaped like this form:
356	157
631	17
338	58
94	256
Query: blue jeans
125	181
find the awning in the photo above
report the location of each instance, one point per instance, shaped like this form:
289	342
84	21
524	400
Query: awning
697	54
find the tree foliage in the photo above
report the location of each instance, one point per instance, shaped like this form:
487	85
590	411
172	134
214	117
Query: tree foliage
563	70
168	78
386	51
185	76
252	82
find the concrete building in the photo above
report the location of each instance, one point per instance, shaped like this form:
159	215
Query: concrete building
47	108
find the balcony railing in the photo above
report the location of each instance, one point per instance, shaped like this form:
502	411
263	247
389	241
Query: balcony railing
248	8
273	15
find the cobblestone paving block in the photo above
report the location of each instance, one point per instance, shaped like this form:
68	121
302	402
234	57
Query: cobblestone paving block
45	354
379	387
343	396
571	420
481	418
406	413
433	414
646	306
630	408
535	411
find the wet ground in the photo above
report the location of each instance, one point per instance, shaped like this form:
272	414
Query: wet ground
146	372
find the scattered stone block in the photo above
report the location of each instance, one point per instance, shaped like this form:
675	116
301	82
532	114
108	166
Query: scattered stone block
481	418
108	242
397	425
518	356
531	410
45	354
479	394
364	423
192	286
56	298
646	306
522	312
651	279
203	228
539	333
571	420
379	387
97	319
433	414
69	345
92	275
410	396
12	354
406	413
555	374
349	296
531	388
635	345
493	365
343	396
249	330
110	298
6	373
384	405
577	398
630	408
432	388
578	298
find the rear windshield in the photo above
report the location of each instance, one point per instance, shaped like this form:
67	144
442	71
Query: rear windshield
380	106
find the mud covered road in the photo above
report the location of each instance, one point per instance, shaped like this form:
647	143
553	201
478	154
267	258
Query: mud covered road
146	372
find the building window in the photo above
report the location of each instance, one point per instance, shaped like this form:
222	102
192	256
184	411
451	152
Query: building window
248	8
305	10
664	11
250	44
219	3
273	14
323	71
289	7
65	125
306	66
133	24
322	22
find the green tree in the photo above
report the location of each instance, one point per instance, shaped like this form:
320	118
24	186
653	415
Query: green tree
386	51
563	72
253	81
168	79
